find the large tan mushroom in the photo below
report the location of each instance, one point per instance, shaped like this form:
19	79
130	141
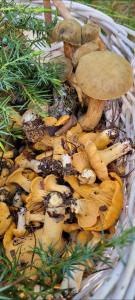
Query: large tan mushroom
68	31
101	75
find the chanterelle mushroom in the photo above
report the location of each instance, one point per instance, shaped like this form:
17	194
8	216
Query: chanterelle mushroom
100	82
5	218
68	31
17	177
99	159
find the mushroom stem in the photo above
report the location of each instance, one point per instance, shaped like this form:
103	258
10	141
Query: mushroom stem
114	152
52	233
20	230
54	223
62	9
47	15
93	115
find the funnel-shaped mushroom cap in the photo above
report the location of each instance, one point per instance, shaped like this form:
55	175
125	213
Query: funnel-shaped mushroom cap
104	75
69	31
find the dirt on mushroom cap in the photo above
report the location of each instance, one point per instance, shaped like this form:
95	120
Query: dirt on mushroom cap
104	75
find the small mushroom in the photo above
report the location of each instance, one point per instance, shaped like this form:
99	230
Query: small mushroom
100	83
100	139
17	177
53	223
90	32
33	126
20	230
5	219
51	185
99	159
68	31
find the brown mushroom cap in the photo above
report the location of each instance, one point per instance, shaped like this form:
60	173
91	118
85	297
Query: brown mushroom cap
90	32
104	75
69	31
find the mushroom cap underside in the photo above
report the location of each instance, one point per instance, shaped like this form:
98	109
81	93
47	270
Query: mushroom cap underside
104	75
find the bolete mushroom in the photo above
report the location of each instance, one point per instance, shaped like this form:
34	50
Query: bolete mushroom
90	32
102	75
68	31
99	159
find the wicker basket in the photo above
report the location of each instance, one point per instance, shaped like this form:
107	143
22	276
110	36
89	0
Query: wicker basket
117	283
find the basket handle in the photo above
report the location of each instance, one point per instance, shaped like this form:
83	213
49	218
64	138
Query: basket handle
64	12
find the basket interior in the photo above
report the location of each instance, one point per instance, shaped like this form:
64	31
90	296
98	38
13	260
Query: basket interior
119	282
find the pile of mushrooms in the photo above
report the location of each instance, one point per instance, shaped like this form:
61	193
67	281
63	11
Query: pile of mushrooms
59	183
59	189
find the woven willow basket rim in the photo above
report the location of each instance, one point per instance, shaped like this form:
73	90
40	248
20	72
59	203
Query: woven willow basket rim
116	284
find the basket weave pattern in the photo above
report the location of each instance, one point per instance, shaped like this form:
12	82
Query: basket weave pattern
116	284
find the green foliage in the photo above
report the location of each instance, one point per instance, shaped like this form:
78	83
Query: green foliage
53	268
24	80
